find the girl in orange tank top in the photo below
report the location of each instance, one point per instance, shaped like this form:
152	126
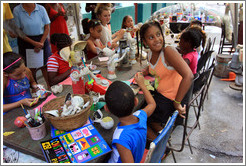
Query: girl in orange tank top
173	77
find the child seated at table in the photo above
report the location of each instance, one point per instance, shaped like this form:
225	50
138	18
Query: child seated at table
58	69
189	41
129	138
17	81
103	13
173	77
128	23
94	28
196	23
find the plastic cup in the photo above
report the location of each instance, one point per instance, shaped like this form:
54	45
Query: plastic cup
38	132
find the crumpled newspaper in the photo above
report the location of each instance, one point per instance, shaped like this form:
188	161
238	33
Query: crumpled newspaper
57	88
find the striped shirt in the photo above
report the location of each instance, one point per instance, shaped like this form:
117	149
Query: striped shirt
57	64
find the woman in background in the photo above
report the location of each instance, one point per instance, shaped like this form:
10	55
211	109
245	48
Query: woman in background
58	18
34	21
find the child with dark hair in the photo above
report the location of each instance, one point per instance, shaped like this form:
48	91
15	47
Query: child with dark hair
195	22
128	23
130	136
192	23
17	81
94	28
58	69
173	76
189	41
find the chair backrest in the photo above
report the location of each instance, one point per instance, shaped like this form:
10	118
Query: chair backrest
189	94
158	146
202	79
203	60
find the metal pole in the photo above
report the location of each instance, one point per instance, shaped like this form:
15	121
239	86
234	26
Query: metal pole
235	25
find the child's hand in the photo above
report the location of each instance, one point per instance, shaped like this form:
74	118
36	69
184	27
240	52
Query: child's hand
135	29
145	71
182	110
114	45
35	88
139	78
28	101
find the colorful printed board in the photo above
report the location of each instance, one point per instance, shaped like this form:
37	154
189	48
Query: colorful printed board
55	132
81	145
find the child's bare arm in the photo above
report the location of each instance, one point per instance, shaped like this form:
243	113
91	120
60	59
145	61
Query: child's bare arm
118	35
149	109
54	78
26	101
125	154
174	59
91	47
31	79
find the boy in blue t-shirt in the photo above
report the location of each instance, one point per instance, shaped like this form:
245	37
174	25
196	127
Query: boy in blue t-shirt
130	136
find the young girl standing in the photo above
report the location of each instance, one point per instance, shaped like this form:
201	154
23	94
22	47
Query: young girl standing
189	41
94	28
58	69
17	81
104	15
173	77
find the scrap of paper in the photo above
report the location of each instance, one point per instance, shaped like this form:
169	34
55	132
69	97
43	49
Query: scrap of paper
102	59
7	133
67	81
50	97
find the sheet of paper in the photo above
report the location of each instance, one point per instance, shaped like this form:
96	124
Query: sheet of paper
34	59
102	59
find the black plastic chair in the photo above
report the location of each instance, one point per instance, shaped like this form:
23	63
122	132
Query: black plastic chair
204	61
186	100
200	91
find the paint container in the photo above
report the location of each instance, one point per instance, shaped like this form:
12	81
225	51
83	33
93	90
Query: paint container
38	132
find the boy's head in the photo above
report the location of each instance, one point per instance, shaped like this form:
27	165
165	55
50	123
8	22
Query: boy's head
120	99
196	22
60	40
